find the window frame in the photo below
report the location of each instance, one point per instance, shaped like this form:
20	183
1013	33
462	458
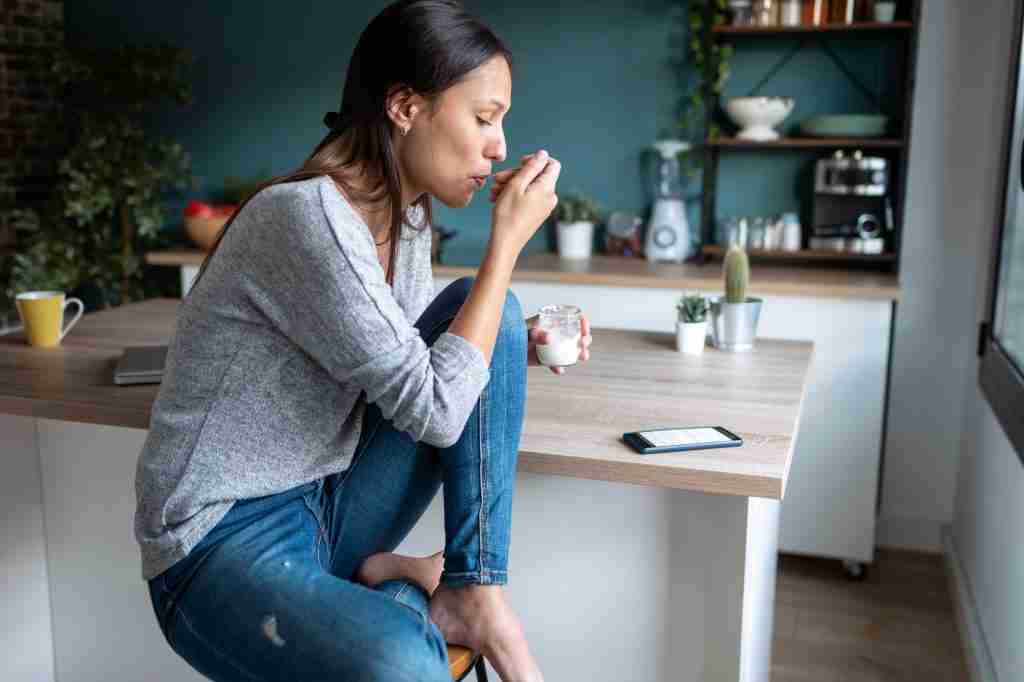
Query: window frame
1001	381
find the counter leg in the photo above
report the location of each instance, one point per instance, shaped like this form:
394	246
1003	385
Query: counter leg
722	590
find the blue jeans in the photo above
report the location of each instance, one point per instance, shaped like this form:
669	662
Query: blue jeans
269	592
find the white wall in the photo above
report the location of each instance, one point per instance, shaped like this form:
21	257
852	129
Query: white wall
988	527
962	70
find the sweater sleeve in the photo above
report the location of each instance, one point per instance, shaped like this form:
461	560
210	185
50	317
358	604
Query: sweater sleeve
311	268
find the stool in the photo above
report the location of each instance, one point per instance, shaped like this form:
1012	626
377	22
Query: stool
461	660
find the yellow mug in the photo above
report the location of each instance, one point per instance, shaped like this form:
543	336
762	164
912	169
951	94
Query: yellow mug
42	313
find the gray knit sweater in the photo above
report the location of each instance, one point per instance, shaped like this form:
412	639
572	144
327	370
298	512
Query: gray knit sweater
290	332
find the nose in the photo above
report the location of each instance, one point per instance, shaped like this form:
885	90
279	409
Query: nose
496	149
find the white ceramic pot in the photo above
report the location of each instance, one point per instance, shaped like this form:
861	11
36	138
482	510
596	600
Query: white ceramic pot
575	240
758	116
885	11
691	337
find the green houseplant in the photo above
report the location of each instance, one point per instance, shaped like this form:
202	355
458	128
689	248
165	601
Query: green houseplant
106	205
575	216
692	325
703	67
734	317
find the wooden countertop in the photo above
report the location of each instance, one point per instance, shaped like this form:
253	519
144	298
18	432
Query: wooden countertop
637	272
573	426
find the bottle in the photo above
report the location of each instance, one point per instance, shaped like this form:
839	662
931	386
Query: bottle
842	11
792	235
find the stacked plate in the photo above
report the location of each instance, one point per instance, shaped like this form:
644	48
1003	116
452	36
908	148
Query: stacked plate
845	125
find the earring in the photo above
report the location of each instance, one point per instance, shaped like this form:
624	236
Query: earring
405	131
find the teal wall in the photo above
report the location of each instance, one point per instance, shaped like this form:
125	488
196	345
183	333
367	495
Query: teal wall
594	86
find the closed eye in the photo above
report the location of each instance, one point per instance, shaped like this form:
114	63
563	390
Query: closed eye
484	122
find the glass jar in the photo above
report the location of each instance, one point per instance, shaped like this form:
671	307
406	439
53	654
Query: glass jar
790	12
562	324
756	242
766	12
741	12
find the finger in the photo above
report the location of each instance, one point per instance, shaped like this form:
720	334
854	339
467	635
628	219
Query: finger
559	370
549	176
528	173
502	176
584	325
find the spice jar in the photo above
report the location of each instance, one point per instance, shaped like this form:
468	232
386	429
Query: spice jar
562	323
815	12
790	12
842	11
766	12
741	12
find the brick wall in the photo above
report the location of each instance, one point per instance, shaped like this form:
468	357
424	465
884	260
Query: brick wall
29	29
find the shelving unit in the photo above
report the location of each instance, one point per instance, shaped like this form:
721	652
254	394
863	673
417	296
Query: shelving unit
896	149
806	255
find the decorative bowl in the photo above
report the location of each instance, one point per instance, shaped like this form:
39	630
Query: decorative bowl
203	231
758	116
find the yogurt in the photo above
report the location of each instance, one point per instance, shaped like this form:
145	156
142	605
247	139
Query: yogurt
561	352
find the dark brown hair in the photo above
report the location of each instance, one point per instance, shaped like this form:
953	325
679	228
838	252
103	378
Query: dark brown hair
425	45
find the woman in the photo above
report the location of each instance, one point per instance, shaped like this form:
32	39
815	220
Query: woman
305	421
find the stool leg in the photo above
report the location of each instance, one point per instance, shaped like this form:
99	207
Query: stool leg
481	670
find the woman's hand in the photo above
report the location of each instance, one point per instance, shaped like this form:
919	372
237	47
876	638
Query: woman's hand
524	201
535	336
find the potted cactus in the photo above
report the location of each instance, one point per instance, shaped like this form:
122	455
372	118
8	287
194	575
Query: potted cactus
692	325
734	317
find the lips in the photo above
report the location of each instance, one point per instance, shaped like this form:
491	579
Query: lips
479	180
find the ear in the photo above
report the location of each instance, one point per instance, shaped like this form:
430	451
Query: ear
403	105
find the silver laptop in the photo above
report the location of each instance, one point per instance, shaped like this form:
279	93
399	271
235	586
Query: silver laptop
141	365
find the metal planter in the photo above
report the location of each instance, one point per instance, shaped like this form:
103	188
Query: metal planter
734	325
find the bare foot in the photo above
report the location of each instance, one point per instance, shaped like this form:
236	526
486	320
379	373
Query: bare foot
424	571
478	616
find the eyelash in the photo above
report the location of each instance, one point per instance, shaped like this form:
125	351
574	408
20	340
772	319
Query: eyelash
482	121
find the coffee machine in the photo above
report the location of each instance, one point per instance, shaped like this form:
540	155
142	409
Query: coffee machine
852	212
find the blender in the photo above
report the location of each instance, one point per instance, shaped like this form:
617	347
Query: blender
668	232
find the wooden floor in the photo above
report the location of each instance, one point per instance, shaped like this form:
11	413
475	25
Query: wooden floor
898	624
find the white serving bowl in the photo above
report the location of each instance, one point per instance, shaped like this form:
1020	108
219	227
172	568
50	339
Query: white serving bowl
758	116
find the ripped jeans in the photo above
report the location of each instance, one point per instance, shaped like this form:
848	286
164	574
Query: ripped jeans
269	593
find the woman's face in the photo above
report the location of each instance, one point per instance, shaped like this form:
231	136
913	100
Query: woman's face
450	150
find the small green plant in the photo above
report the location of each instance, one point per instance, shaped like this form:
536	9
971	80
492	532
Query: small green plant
737	275
692	308
576	207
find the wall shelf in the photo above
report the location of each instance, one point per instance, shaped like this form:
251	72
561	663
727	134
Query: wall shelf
714	250
857	28
807	143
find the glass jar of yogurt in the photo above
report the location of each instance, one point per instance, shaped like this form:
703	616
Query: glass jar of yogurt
562	324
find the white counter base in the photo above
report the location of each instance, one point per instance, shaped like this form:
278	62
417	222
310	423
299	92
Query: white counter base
612	581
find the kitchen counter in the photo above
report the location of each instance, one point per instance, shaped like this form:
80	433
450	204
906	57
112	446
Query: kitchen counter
573	423
637	272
